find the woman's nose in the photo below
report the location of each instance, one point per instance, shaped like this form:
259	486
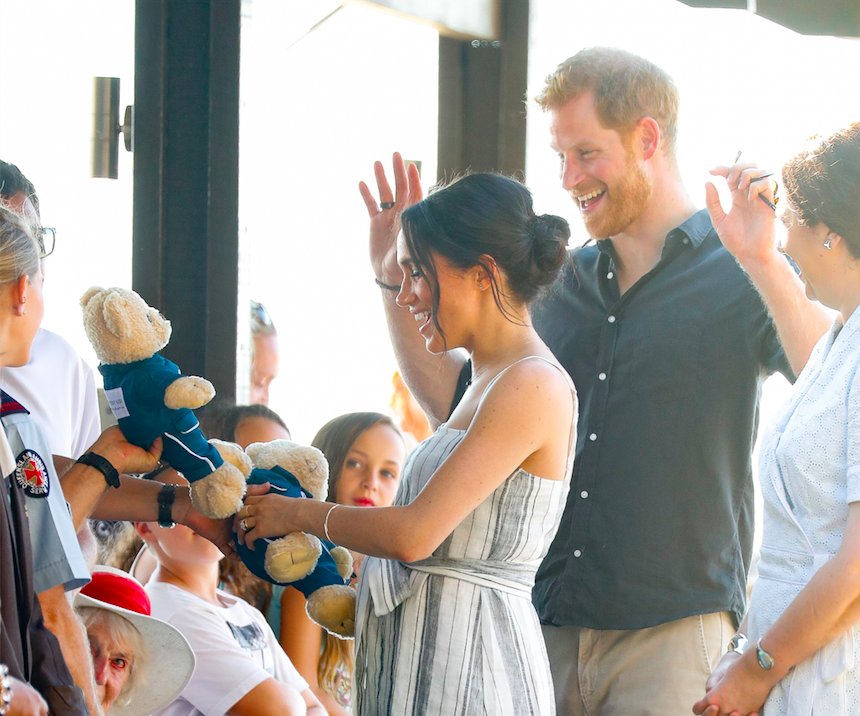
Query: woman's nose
100	670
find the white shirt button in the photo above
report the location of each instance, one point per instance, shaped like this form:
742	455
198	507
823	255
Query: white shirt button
611	319
592	437
610	275
602	376
577	553
686	240
583	494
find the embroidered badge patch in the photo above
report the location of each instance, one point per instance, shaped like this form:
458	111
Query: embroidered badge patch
32	474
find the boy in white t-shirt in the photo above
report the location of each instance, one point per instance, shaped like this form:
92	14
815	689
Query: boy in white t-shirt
241	668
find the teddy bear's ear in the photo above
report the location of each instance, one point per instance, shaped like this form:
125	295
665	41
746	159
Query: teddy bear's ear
91	292
116	312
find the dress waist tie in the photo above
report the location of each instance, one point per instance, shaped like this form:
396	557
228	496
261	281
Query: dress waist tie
392	582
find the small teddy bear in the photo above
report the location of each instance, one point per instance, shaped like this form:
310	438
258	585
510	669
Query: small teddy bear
151	398
315	567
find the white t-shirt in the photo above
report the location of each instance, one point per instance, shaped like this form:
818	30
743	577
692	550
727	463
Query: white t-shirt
59	390
235	649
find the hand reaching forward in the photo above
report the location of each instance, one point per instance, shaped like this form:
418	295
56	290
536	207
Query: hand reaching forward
385	223
747	231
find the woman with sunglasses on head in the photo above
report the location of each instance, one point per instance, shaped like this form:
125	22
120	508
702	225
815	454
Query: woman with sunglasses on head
445	622
798	648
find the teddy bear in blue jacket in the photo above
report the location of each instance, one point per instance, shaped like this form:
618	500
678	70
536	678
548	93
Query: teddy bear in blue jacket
317	568
150	397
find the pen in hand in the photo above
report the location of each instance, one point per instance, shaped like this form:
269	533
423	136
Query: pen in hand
767	201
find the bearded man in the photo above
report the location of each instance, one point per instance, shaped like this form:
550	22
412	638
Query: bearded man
668	343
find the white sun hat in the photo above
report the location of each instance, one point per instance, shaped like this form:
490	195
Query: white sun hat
171	660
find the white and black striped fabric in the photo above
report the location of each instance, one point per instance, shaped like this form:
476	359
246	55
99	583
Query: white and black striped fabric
457	633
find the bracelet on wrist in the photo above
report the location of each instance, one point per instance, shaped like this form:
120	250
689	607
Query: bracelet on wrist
5	689
765	660
166	498
325	522
738	643
102	465
387	286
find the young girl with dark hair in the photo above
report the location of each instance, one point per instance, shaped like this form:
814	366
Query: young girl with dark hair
445	622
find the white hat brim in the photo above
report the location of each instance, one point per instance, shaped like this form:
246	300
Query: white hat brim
170	667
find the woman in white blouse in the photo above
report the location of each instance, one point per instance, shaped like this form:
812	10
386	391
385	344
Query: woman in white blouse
798	649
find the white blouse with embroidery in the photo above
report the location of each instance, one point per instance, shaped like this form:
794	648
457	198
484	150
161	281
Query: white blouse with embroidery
809	473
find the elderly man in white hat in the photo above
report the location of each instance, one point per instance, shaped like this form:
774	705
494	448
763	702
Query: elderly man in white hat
141	663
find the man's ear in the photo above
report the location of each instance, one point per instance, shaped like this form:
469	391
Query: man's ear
648	136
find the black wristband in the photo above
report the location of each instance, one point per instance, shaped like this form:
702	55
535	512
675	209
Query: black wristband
166	496
103	466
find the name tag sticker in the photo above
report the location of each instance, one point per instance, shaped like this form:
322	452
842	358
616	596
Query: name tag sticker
117	403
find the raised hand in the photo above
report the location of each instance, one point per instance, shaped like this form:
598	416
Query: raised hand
385	223
747	230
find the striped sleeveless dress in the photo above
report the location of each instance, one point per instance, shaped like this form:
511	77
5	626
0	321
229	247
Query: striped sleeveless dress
457	633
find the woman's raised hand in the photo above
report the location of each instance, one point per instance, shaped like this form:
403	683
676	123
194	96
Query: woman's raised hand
747	230
385	222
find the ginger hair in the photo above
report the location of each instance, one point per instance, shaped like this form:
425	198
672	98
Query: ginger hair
626	88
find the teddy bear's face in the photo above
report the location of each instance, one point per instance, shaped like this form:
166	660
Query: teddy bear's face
305	462
122	327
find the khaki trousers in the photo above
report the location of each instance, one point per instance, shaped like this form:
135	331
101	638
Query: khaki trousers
659	671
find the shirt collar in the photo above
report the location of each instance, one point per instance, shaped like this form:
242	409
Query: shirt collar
696	228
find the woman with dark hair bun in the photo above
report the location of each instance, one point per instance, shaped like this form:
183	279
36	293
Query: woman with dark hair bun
445	622
798	648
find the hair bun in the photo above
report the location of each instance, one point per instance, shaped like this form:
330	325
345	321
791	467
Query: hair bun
549	234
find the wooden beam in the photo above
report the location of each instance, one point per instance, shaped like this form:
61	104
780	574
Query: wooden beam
186	178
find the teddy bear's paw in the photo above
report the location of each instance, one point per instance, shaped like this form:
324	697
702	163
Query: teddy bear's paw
232	453
343	559
219	494
188	392
333	608
292	557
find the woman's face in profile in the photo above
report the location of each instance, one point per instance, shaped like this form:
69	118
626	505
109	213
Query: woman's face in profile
455	314
371	471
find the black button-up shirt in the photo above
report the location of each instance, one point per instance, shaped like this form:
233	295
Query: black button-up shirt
659	521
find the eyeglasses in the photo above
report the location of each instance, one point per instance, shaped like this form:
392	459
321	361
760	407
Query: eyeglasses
47	238
259	312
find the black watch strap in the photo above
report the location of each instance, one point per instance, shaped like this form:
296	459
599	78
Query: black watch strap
103	466
166	497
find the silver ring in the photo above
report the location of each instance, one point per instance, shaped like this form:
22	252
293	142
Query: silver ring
386	204
242	525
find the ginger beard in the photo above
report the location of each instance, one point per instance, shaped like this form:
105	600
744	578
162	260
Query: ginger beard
623	202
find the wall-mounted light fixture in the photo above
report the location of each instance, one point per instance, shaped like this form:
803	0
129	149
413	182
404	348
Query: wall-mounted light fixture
106	127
